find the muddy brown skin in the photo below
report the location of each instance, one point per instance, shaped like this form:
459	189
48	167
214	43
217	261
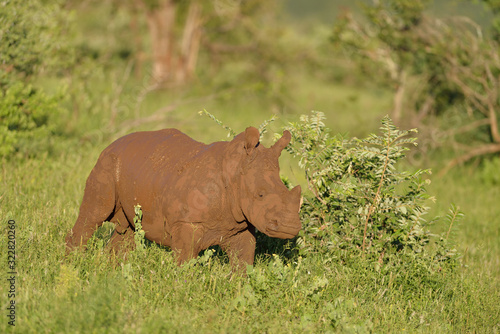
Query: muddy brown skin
193	195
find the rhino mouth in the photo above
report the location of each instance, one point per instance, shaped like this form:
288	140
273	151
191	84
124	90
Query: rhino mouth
282	231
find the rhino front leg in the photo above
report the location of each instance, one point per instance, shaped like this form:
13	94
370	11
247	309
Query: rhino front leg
186	241
241	249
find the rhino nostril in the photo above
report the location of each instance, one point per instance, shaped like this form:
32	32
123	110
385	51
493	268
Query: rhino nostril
273	225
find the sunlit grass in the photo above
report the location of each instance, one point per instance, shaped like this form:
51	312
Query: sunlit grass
94	292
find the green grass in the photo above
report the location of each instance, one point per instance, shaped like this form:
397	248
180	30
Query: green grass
92	292
283	293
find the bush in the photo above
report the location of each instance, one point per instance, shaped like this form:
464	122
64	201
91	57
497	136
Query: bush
33	37
33	40
359	204
28	119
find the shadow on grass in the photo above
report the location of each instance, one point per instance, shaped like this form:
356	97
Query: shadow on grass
265	247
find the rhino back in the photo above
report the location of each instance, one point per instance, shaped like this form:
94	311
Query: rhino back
144	161
167	166
153	149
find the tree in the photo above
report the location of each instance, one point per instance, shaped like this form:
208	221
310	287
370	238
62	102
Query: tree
202	39
438	69
175	53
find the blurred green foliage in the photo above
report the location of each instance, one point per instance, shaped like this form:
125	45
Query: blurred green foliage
443	73
33	37
33	41
494	5
28	119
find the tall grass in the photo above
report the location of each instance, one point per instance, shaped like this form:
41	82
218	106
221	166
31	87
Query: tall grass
96	292
283	293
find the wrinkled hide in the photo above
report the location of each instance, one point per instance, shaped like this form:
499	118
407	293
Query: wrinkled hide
193	195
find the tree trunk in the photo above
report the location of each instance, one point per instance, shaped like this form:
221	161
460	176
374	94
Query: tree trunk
399	96
140	56
190	44
174	59
161	28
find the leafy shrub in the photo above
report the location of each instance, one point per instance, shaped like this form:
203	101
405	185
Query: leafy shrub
33	40
33	37
360	204
139	233
27	119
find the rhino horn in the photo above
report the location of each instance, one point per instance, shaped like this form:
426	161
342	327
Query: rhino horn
282	142
296	194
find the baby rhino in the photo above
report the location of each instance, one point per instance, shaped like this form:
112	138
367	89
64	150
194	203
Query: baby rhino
192	195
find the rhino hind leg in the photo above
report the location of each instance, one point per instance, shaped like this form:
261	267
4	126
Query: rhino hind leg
122	239
97	206
122	243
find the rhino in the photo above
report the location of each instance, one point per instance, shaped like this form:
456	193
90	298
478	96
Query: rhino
192	195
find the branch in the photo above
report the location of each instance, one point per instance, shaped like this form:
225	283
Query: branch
471	95
229	48
468	127
475	152
313	188
493	124
424	110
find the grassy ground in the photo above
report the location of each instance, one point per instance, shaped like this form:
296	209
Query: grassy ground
283	293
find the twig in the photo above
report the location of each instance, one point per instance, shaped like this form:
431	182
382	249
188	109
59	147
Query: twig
452	220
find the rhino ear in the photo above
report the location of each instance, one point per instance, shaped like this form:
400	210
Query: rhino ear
282	142
252	137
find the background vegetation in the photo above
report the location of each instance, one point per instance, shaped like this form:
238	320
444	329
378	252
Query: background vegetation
382	249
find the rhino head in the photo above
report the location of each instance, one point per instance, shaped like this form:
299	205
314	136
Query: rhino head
257	194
